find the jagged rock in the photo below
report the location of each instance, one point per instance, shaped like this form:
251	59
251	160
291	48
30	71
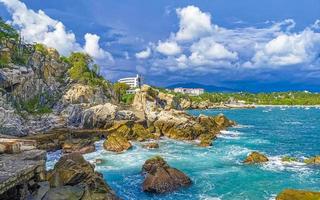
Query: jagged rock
116	143
151	145
74	171
290	194
82	146
131	130
313	160
125	115
161	178
256	157
79	93
100	116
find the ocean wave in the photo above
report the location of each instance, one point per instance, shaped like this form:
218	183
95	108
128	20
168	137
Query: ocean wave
206	197
230	134
239	126
276	164
293	123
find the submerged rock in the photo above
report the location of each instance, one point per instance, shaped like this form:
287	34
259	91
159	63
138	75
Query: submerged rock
313	160
116	143
288	159
256	157
75	178
151	145
206	140
290	194
161	178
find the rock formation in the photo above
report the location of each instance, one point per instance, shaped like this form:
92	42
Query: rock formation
74	178
116	143
289	194
255	157
161	178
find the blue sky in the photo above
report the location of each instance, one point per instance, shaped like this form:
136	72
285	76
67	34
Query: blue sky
250	45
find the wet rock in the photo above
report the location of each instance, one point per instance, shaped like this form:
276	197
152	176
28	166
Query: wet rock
313	160
151	145
206	140
64	193
256	157
73	171
82	146
116	143
161	178
290	194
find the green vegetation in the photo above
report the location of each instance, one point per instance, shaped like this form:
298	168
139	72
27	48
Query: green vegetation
38	105
12	49
120	90
81	72
274	98
41	49
127	98
7	31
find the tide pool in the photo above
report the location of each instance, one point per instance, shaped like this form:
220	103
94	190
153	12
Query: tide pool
217	172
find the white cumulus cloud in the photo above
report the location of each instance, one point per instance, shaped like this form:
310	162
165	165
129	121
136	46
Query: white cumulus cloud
144	54
40	28
168	48
193	23
289	49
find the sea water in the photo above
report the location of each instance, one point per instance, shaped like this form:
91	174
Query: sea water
217	172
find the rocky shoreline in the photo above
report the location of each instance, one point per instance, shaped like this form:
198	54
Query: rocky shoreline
43	108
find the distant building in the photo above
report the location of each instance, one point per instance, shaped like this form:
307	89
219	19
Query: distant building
134	82
189	91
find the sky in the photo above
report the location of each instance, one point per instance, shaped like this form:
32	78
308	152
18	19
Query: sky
265	45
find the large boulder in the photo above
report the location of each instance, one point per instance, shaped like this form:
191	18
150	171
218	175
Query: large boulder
290	194
116	143
161	178
73	175
99	116
255	157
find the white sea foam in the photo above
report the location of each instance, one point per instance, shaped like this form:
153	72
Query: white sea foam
230	135
239	126
276	164
206	197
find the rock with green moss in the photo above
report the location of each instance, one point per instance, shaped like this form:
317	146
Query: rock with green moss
256	157
290	194
116	143
161	178
289	159
313	160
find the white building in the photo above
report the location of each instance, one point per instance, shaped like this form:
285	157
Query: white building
190	91
133	82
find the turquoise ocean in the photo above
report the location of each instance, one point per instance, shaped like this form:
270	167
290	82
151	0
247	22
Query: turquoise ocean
217	172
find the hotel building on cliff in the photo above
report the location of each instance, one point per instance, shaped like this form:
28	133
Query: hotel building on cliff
133	82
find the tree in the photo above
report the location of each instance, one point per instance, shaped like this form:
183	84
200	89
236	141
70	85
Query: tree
120	89
7	31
